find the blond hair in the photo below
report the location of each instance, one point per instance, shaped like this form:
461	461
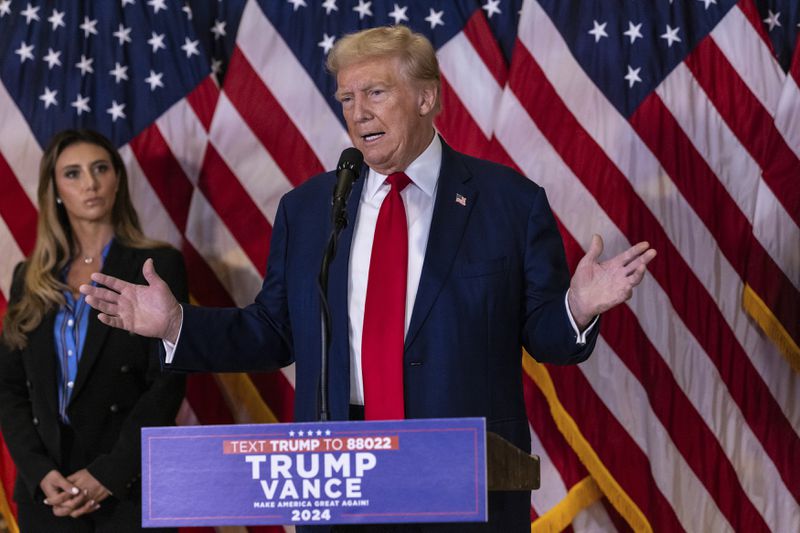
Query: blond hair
42	289
415	51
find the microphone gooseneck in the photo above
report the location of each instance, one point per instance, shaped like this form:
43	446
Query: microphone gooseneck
347	171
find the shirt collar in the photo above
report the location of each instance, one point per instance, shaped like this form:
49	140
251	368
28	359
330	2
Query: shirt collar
423	171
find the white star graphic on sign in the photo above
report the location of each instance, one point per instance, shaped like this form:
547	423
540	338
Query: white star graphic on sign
326	43
399	14
119	72
154	80
633	76
218	29
435	18
492	7
300	433
85	65
634	32
157	5
188	10
364	9
327	432
56	19
599	30
190	47
116	111
297	4
48	97
671	35
772	20
329	5
89	26
156	41
319	433
30	13
5	8
25	51
52	58
125	2
123	34
708	2
81	104
291	433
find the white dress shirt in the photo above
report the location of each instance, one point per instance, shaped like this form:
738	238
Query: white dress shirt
418	199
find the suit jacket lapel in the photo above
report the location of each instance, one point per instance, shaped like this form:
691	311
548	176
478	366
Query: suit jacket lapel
119	263
42	349
455	198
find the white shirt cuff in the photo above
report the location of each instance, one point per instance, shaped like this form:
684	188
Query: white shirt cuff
170	347
580	336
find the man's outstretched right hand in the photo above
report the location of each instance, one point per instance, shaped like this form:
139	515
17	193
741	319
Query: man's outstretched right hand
148	310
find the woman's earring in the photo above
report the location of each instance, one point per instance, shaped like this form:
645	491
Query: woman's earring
58	201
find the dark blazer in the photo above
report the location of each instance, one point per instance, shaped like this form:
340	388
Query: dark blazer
119	388
493	281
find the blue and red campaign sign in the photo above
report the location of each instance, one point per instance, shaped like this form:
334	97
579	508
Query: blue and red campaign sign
431	470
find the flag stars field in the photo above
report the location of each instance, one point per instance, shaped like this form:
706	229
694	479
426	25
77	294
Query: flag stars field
56	19
119	72
364	9
326	43
634	32
671	35
398	14
30	13
329	6
633	76
48	97
434	18
52	58
89	27
25	52
122	34
157	5
598	31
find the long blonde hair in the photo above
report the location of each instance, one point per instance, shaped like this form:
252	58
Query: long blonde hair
55	246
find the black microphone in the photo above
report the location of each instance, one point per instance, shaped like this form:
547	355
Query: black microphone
347	171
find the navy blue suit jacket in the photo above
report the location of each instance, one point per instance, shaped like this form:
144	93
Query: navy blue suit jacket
493	281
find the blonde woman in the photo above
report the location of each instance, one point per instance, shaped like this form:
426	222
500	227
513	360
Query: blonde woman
74	393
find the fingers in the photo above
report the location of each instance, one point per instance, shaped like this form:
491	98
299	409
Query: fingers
631	254
62	497
99	293
595	248
57	489
639	262
102	305
88	507
113	321
149	272
111	282
70	504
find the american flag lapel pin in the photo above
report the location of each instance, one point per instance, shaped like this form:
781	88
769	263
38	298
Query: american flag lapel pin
461	199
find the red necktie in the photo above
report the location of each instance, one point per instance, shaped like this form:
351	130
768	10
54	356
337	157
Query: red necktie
385	309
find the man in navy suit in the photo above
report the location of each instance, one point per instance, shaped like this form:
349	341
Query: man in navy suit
485	273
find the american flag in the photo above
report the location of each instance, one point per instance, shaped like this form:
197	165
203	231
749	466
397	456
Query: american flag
671	121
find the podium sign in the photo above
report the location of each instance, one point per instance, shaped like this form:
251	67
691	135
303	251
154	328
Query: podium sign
426	470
